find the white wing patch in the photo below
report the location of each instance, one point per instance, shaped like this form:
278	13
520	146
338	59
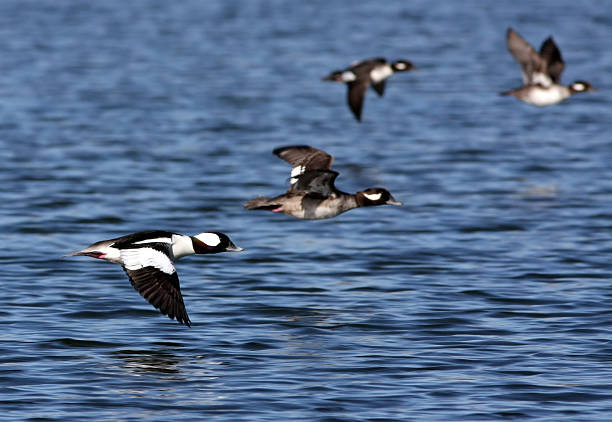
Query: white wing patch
136	259
210	239
373	196
296	171
348	76
156	240
539	78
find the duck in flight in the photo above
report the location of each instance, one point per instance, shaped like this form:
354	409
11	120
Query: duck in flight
360	75
148	259
541	72
312	194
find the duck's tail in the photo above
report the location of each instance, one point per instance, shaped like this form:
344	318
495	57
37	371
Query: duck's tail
261	203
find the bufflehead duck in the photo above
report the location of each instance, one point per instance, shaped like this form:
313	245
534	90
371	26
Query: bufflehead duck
148	259
541	72
360	75
312	194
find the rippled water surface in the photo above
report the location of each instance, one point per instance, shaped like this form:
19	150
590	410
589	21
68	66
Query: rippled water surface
487	296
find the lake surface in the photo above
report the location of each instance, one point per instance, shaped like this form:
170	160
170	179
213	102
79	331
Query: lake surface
487	296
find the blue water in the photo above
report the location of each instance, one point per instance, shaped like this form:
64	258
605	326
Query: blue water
487	296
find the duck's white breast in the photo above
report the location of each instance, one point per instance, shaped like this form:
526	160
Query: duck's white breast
547	96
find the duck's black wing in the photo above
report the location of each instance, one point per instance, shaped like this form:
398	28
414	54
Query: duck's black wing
533	66
358	80
152	273
149	236
379	88
552	55
304	158
356	94
318	183
357	88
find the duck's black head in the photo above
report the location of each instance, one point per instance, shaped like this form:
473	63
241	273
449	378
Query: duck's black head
213	242
375	196
581	86
402	66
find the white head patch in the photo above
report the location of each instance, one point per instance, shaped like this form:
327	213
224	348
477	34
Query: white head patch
136	259
348	76
373	196
210	239
400	66
579	86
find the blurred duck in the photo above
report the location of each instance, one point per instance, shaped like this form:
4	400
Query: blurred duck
312	194
360	75
541	72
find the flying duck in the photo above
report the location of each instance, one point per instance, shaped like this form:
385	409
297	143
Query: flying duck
148	259
360	75
312	194
541	72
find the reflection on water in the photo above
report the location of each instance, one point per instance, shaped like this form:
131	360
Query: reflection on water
148	361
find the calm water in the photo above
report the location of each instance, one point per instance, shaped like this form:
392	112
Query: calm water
486	297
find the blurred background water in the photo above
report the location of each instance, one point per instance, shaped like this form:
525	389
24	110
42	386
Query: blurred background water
485	297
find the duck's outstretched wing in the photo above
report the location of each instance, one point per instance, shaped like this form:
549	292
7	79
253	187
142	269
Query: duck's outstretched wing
533	66
552	55
356	94
379	88
152	273
319	183
304	158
